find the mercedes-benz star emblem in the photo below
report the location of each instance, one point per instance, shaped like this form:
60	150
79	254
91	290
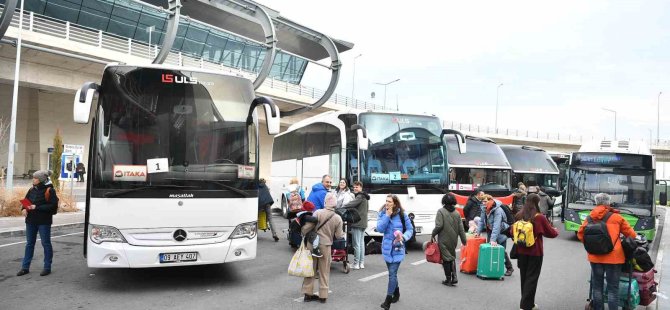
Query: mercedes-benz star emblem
179	235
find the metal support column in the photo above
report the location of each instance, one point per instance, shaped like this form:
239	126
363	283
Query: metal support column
6	17
174	7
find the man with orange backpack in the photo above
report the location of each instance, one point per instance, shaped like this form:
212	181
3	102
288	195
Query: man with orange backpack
600	235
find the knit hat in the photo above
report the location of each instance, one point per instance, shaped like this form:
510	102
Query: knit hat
330	200
308	206
42	175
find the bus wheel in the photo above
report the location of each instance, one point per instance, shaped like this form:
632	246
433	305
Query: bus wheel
284	207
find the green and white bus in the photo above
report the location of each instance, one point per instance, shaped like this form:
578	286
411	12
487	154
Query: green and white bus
624	170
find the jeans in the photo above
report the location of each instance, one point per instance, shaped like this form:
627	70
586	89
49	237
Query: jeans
358	241
600	272
393	277
31	237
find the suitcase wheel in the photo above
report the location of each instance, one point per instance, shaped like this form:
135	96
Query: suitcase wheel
346	268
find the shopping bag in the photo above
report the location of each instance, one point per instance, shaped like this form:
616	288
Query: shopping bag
301	264
432	252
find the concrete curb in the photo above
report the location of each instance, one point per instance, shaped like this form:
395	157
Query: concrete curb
66	228
658	265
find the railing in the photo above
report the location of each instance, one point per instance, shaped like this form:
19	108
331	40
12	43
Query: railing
72	32
545	136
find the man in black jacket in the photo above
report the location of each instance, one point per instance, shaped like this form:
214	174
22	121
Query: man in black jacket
360	204
39	216
472	208
265	202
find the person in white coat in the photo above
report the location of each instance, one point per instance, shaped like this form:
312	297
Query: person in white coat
343	193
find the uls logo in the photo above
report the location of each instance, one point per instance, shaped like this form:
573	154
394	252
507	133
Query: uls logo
177	79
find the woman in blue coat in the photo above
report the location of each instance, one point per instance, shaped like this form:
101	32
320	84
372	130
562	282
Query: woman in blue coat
397	229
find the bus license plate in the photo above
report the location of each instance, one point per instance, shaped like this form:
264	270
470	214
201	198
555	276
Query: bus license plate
178	257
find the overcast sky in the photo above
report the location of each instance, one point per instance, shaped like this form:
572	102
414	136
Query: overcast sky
560	63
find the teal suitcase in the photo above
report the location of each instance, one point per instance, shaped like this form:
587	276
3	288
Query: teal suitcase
633	299
491	262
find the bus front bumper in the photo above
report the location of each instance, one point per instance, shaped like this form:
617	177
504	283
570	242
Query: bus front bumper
124	255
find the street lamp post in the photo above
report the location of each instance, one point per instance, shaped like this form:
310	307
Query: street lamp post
497	93
386	84
353	78
150	29
614	120
15	97
658	118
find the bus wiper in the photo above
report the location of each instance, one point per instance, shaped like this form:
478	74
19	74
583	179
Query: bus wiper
130	190
218	182
441	189
381	189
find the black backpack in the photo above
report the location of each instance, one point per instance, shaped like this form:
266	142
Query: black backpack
597	239
641	260
509	220
350	216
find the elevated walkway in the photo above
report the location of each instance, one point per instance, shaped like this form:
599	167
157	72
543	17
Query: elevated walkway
556	141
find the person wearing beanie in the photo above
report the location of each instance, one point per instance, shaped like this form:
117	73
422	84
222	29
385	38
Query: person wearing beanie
448	229
329	226
39	217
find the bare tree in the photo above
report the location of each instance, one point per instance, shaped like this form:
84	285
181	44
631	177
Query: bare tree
4	130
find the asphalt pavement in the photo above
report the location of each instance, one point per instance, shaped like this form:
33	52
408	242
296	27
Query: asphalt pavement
264	284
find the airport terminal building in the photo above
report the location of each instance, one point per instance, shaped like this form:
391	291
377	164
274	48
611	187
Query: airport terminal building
68	42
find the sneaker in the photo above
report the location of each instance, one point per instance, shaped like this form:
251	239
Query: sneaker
45	272
509	272
535	307
22	272
361	265
355	266
276	238
317	253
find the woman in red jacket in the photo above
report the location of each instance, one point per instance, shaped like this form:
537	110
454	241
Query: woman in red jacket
530	258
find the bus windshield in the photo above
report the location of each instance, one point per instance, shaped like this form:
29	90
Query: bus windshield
158	127
530	161
404	149
629	189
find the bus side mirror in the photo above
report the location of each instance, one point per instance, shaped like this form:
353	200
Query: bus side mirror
460	138
271	113
82	102
362	134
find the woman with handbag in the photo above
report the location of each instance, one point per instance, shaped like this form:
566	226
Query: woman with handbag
397	229
529	258
448	229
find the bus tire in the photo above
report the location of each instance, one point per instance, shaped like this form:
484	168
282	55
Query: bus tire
284	207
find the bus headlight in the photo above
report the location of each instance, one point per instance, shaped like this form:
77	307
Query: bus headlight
572	216
245	230
645	223
100	234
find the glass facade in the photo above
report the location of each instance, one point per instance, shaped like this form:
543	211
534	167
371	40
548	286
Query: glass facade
131	19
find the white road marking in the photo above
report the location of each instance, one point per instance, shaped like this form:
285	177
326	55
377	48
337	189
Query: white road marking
38	239
374	276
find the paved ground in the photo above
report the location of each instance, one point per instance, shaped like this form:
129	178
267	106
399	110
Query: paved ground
263	283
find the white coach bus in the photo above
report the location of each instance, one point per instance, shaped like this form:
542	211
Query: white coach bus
173	167
402	154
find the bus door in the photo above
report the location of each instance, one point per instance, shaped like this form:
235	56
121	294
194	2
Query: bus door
298	174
